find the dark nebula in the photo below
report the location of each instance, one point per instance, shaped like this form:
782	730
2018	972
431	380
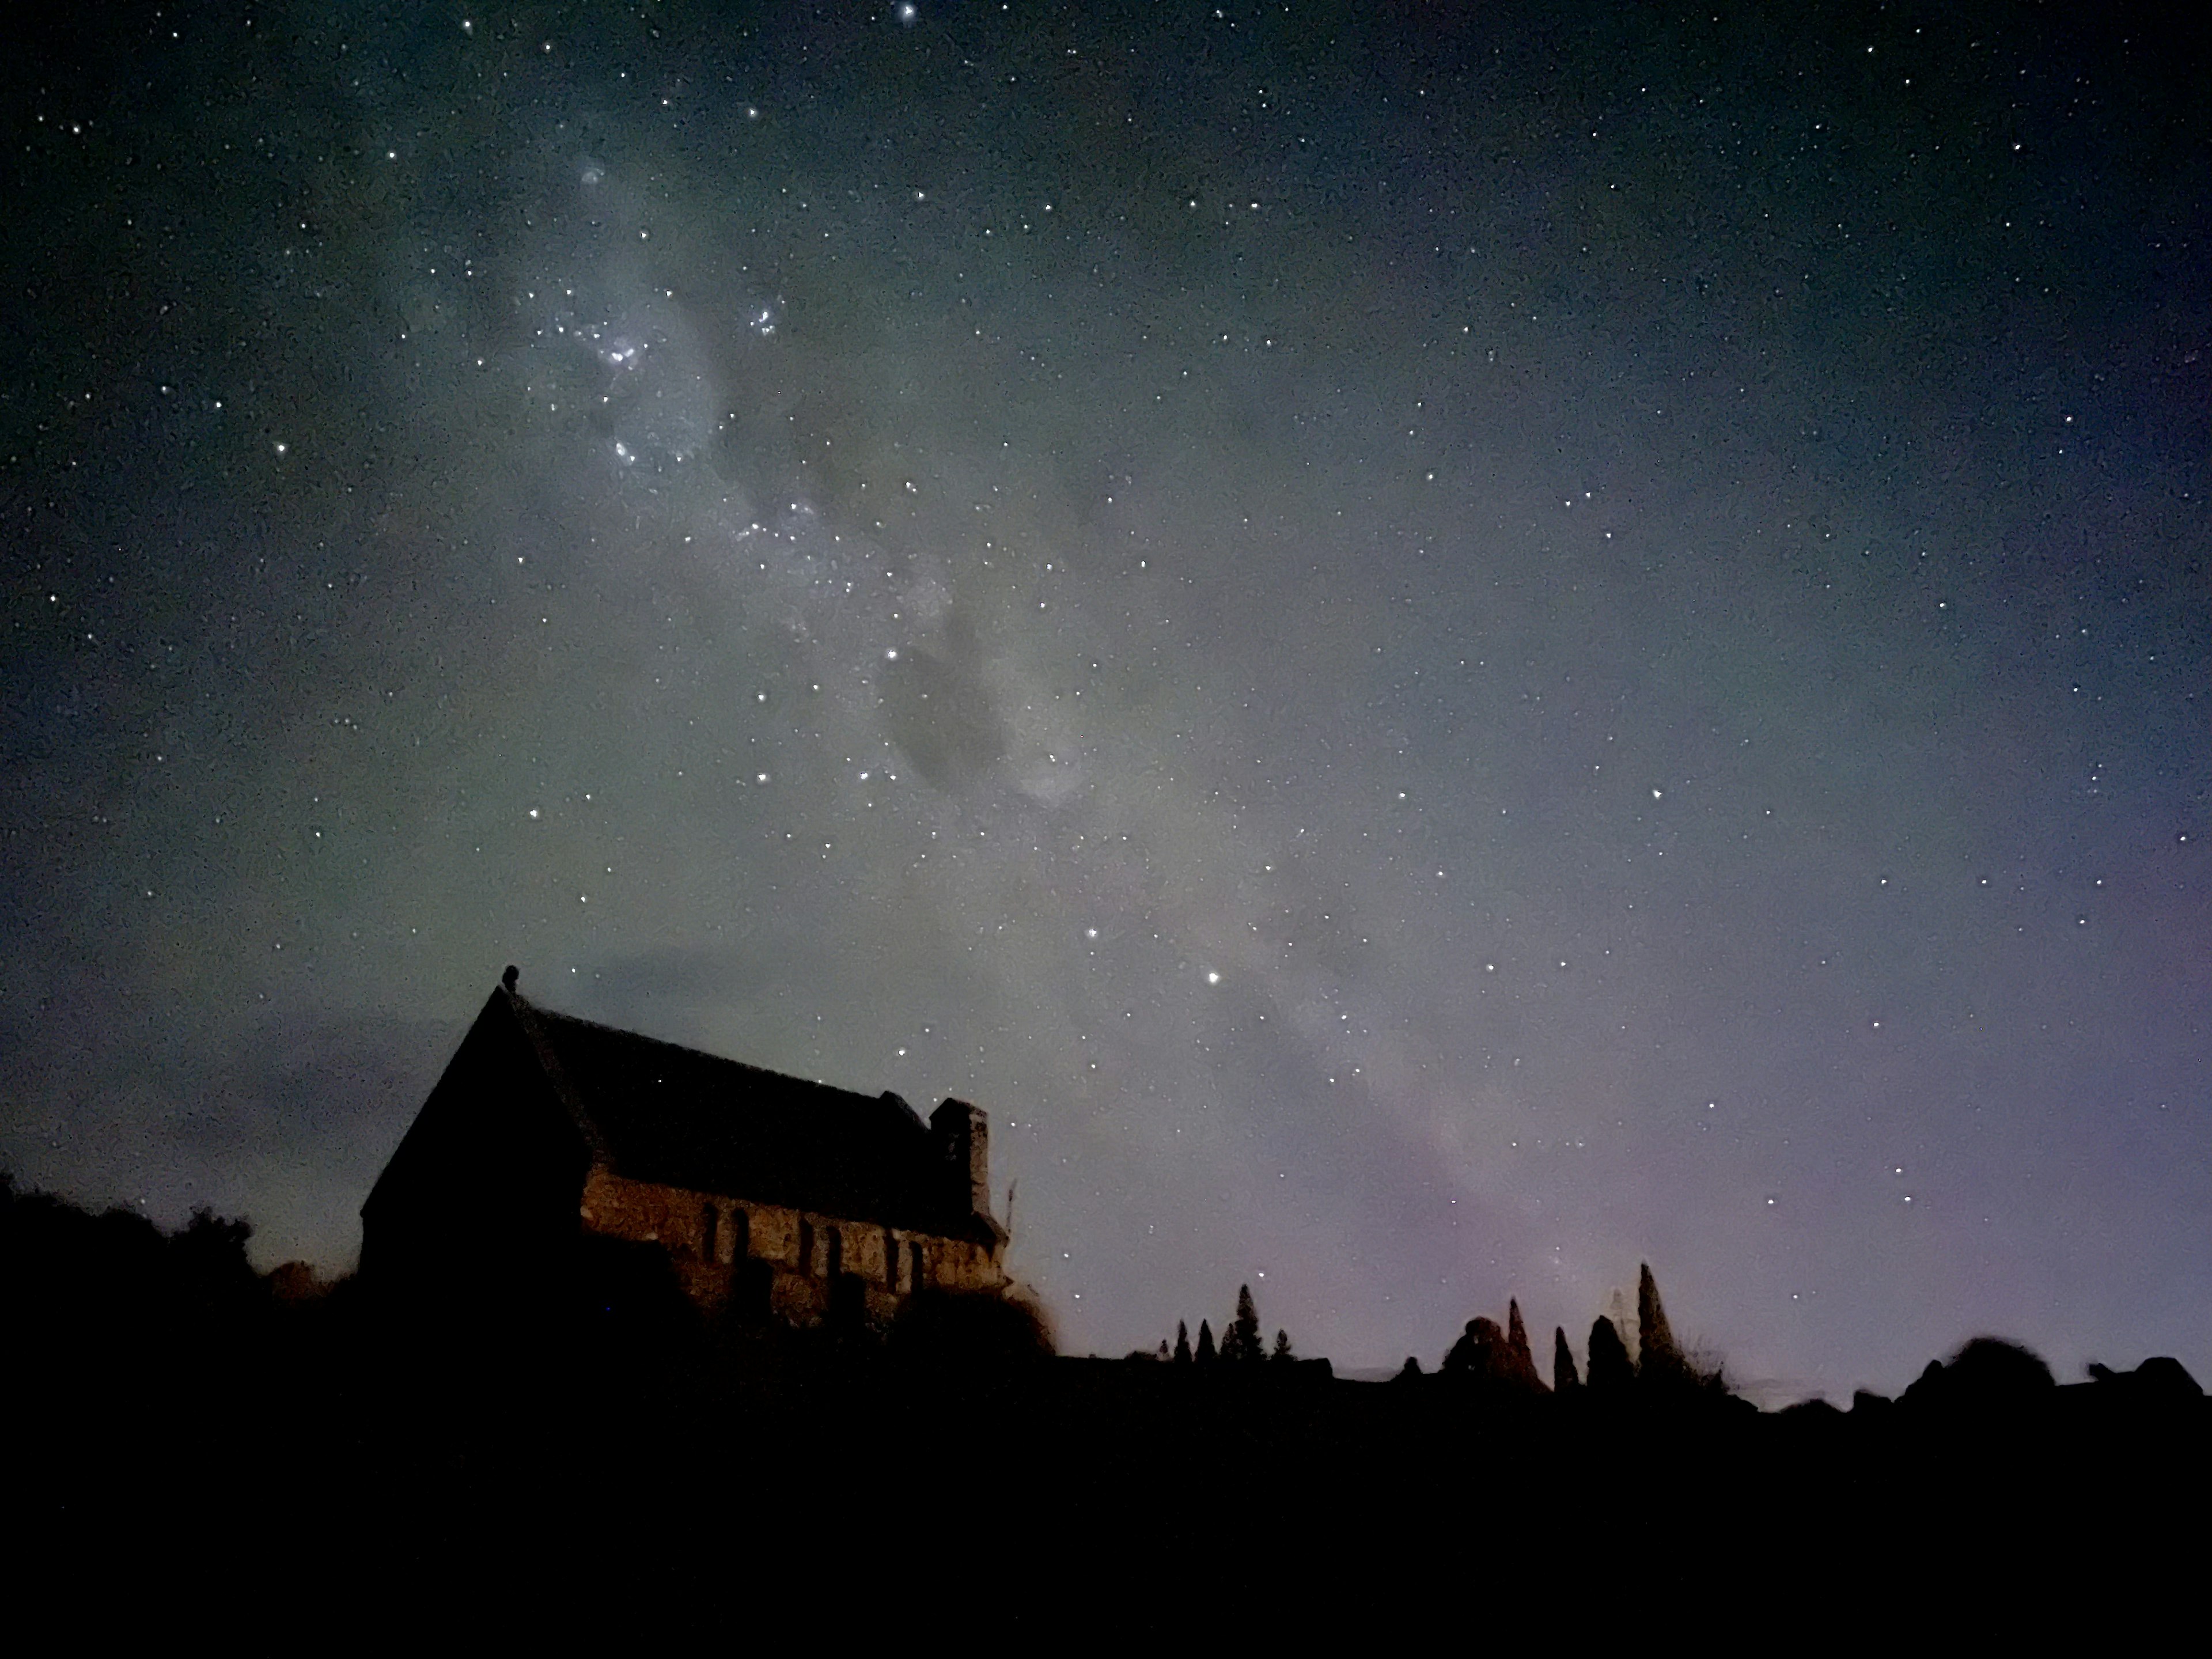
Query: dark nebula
1436	649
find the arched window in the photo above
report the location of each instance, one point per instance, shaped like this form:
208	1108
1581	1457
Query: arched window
891	1261
741	1234
914	1253
837	1253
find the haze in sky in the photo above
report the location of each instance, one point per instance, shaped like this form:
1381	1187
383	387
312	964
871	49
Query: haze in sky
1435	650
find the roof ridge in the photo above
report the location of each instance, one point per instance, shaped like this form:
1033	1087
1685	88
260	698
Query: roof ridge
669	1113
551	1017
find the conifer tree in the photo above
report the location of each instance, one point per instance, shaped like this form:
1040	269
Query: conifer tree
1563	1362
1205	1355
1282	1346
1520	1360
1182	1343
1623	1326
1657	1358
1243	1340
1609	1365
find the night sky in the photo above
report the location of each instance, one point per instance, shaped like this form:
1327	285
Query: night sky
1436	649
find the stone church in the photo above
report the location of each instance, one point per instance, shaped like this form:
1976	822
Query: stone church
770	1196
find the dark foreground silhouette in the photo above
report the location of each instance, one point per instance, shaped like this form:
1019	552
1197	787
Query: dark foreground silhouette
192	1441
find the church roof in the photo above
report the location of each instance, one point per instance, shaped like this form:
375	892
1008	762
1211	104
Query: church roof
675	1116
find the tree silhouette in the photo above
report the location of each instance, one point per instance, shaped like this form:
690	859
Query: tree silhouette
1520	1362
1988	1374
1241	1340
1478	1352
1563	1362
1205	1356
1609	1366
1182	1343
1657	1358
1282	1346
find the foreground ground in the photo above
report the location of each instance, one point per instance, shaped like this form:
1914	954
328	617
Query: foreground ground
193	1447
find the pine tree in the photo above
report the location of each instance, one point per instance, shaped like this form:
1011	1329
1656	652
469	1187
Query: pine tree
1182	1343
1205	1355
1163	1348
1282	1346
1609	1364
1520	1360
1657	1358
1623	1326
1243	1340
1563	1362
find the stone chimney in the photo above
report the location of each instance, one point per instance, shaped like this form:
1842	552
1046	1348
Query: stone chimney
962	1134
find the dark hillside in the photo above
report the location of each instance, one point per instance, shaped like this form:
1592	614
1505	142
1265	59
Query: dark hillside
180	1417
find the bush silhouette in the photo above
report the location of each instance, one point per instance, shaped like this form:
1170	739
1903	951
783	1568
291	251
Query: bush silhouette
1988	1374
959	1329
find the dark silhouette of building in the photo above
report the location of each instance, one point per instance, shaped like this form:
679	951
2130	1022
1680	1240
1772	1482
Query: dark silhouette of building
767	1195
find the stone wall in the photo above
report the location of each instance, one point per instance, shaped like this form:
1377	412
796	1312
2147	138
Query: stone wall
785	1260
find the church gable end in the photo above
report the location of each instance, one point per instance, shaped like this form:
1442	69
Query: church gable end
491	1167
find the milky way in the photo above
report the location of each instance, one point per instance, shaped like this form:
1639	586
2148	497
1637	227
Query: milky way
1434	655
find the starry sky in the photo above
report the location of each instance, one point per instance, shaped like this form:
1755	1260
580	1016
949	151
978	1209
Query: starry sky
1436	649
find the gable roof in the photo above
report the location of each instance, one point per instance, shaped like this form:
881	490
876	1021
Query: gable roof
656	1112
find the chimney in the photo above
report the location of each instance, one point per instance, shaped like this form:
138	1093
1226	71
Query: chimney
962	1134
